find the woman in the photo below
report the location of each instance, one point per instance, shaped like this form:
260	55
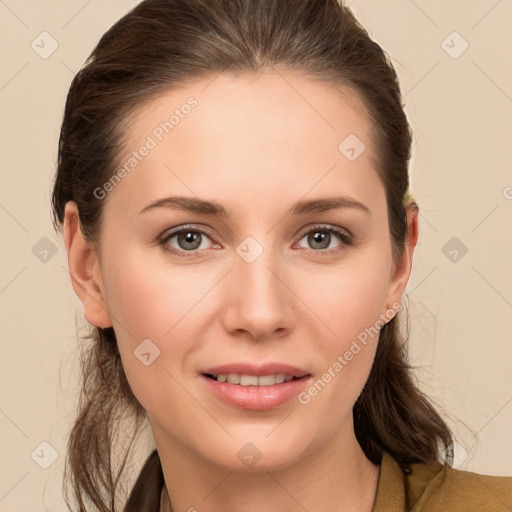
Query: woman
232	188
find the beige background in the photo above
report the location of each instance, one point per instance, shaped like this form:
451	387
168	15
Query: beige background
461	311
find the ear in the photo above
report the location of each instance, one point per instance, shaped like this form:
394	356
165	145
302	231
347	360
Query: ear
85	270
402	268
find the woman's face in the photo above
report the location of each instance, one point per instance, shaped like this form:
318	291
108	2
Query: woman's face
267	288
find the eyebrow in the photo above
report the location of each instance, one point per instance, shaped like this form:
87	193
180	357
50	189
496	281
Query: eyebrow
204	207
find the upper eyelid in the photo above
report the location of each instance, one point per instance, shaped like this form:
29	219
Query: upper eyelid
175	231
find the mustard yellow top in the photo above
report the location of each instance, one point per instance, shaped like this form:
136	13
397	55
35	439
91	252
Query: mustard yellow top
430	487
422	487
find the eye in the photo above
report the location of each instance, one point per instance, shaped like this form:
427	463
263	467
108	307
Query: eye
320	237
188	239
191	240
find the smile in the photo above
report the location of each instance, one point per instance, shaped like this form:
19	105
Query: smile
252	380
256	387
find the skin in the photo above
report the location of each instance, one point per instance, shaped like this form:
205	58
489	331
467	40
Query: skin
257	145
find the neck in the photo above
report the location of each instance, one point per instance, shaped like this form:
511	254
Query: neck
337	476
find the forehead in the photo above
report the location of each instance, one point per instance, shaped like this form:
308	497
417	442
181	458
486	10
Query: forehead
282	104
248	135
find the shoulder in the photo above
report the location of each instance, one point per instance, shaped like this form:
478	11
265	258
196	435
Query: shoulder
434	487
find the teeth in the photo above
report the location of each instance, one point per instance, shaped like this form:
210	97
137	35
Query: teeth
253	380
233	378
248	380
266	380
280	378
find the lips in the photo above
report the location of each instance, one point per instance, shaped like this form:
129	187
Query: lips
255	387
251	380
256	370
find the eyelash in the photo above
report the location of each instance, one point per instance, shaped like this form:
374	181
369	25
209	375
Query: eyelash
343	235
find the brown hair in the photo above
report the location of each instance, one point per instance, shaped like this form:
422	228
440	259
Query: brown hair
163	43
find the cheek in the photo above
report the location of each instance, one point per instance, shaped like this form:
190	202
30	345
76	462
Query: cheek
150	302
348	298
149	299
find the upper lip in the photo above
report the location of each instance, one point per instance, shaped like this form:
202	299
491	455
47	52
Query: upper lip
252	369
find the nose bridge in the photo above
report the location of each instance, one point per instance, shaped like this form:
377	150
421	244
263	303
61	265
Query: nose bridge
258	300
256	267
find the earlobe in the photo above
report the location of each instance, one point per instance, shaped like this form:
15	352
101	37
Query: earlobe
85	270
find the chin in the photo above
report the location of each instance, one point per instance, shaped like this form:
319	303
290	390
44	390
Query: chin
251	455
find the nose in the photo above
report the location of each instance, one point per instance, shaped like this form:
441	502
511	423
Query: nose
258	302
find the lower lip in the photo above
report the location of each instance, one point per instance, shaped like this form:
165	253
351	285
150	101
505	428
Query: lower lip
256	398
